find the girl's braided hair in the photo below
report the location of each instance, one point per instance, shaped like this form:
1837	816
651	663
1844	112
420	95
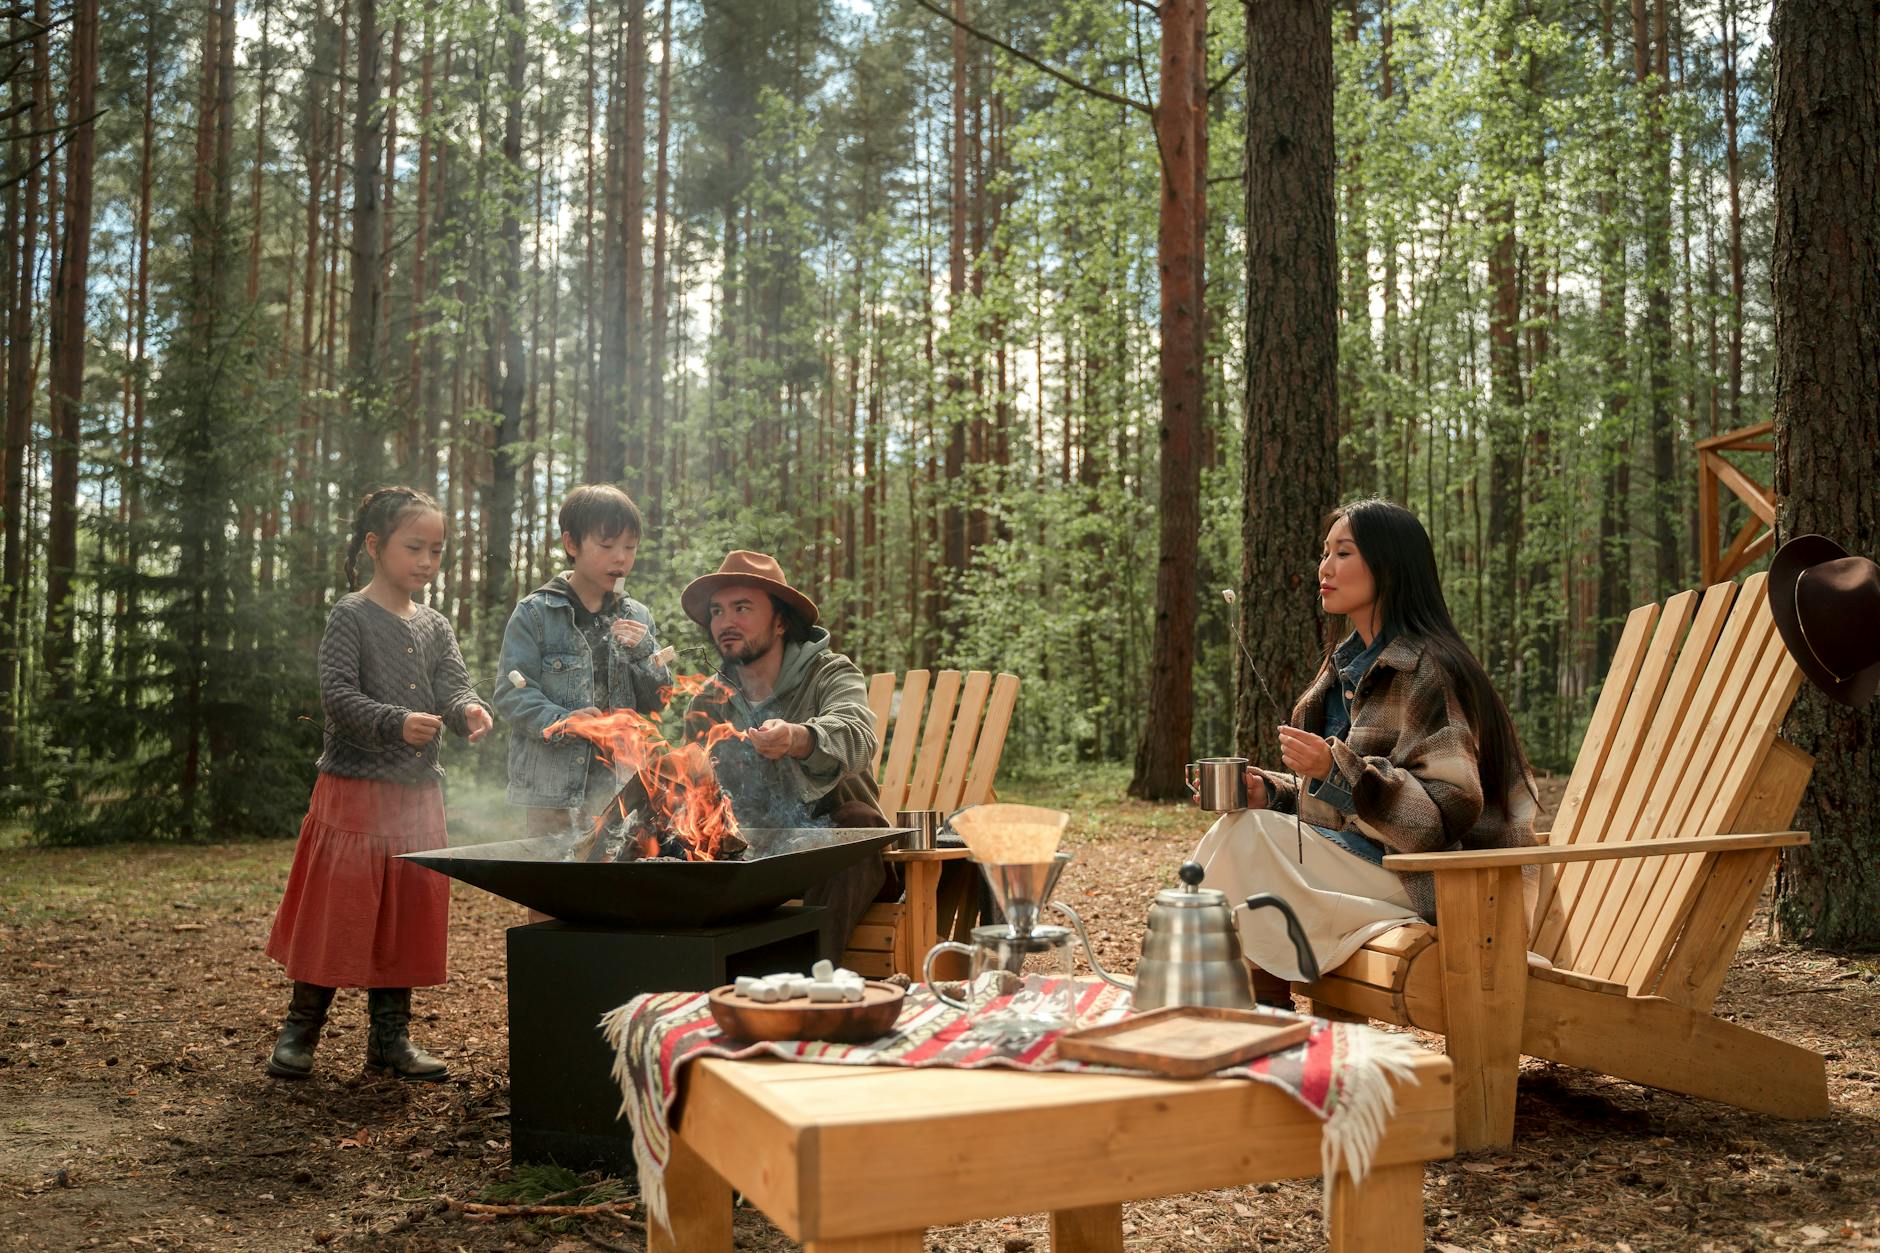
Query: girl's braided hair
379	514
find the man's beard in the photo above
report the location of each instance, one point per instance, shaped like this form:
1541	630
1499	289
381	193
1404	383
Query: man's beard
744	650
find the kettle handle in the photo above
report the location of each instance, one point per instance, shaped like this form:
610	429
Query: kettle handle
1091	953
1308	964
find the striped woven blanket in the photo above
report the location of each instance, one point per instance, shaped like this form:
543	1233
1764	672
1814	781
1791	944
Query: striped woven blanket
1341	1072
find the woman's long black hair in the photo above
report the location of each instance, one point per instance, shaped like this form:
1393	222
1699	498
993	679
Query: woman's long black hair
1410	605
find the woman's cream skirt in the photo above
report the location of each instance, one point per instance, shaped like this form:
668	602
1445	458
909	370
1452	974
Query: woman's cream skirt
1341	899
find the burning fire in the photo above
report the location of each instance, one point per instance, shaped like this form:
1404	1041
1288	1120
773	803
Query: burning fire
679	782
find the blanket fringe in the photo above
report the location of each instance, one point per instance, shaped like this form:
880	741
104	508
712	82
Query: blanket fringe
1365	1104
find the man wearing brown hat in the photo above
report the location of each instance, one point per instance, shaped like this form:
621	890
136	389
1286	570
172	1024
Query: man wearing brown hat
808	754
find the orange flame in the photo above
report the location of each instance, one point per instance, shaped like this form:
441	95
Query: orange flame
679	779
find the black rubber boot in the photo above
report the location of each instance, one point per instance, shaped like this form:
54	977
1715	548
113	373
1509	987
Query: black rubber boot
388	1043
306	1014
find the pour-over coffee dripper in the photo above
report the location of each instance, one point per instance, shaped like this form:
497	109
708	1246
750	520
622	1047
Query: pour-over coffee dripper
1022	890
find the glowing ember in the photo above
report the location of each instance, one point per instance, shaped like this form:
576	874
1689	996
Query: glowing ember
683	813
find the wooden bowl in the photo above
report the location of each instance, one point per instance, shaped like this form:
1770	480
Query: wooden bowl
848	1022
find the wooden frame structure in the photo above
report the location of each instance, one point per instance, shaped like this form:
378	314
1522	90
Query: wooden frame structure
948	737
1668	830
1719	563
863	1159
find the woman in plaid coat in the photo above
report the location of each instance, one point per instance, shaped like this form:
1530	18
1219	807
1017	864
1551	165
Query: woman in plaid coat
1402	745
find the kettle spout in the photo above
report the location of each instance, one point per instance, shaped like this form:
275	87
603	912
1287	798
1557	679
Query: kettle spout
1121	981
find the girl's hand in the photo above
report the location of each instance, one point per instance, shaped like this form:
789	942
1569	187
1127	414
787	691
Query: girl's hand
1307	755
1256	790
628	632
421	729
477	719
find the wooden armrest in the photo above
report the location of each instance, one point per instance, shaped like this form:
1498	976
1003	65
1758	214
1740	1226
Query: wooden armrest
949	853
1545	854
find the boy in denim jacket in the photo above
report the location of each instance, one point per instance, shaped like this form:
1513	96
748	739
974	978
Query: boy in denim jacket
580	648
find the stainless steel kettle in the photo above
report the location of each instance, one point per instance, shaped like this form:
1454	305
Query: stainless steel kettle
1191	951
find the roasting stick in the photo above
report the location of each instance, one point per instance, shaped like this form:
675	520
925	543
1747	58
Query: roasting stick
1285	720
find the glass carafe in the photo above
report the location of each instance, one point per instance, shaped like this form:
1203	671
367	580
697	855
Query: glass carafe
1020	986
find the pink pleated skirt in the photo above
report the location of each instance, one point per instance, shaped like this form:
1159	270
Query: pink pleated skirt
353	915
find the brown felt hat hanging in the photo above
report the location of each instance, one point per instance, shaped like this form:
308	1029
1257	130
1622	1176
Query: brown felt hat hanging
1826	604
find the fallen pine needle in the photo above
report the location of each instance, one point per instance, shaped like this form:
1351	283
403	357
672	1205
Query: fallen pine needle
484	1210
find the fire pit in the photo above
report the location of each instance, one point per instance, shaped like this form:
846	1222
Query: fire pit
659	892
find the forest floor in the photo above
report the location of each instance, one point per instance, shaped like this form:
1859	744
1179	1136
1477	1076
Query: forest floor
138	1009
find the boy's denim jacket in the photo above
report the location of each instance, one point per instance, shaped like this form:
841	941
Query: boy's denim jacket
544	645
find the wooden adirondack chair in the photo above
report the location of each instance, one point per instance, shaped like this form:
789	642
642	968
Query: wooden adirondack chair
948	738
1669	827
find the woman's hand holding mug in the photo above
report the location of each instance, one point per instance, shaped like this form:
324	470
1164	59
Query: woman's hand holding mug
1256	790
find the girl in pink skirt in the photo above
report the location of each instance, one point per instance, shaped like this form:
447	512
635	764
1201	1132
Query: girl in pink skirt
391	679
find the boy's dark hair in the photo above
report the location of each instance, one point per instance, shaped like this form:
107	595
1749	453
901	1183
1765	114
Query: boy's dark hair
599	509
380	514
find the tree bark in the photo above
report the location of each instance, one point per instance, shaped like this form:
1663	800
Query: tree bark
65	355
1181	120
656	366
1290	453
633	199
364	396
23	226
1827	340
505	380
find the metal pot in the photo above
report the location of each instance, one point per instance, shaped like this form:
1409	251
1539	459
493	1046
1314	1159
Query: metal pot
1191	951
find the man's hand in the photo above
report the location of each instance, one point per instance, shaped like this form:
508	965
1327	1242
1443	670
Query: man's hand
1256	790
1307	755
628	632
421	729
477	719
778	738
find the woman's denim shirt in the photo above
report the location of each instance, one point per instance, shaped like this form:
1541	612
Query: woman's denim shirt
1353	661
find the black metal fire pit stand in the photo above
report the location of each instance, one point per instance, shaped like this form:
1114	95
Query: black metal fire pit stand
564	976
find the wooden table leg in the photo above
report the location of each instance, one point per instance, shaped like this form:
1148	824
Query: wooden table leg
1384	1214
891	1242
1092	1229
698	1207
1483	930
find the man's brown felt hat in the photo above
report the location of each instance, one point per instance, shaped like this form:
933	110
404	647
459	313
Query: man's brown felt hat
1826	604
743	569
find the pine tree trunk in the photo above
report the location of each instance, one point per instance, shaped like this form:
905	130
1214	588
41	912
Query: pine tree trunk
953	519
366	443
65	355
1827	340
656	366
23	226
633	196
1290	455
1733	165
1181	119
1651	67
505	348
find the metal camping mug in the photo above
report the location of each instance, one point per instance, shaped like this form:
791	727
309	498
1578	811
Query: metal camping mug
923	826
1219	784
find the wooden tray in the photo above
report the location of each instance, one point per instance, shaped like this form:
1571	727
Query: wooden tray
867	1019
1186	1041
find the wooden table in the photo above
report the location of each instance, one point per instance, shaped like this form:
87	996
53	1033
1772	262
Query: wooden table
847	1159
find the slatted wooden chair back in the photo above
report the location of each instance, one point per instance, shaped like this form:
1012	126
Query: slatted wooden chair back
1683	742
948	736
